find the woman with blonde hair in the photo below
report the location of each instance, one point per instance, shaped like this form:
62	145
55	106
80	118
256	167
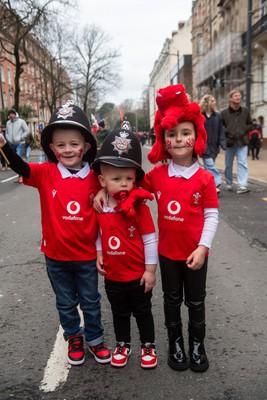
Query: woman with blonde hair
216	136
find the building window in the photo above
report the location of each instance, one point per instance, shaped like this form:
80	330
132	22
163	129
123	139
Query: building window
263	7
2	73
4	98
9	77
200	45
262	84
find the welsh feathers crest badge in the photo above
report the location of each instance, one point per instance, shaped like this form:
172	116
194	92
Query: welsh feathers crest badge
121	143
66	111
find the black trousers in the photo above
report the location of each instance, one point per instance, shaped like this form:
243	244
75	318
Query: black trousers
180	282
127	298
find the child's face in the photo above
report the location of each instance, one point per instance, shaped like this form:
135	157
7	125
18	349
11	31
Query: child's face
116	179
180	141
69	146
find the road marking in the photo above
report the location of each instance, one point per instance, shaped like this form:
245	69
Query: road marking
264	198
9	179
57	367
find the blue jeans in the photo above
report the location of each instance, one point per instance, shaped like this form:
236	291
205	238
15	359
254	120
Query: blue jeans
241	154
18	148
76	283
209	165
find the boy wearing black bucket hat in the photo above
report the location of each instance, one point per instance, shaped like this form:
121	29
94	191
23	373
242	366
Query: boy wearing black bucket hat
127	250
66	187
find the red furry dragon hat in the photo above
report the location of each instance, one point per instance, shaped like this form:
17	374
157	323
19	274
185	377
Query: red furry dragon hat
174	107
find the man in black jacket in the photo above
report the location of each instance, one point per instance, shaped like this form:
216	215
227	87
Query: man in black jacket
237	123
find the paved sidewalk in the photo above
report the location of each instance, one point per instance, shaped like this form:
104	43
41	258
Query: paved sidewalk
257	169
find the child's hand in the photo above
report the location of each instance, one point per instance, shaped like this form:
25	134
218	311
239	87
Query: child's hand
149	279
197	258
100	199
2	140
100	263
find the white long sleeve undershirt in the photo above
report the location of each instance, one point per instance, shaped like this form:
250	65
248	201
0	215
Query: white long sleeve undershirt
211	220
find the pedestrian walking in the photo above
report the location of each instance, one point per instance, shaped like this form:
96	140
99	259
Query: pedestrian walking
215	136
16	133
237	123
29	141
66	187
255	139
101	133
127	256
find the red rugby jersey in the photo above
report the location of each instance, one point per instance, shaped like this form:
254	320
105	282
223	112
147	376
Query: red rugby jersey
69	224
181	204
122	245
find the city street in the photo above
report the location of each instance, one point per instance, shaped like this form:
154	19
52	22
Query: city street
33	362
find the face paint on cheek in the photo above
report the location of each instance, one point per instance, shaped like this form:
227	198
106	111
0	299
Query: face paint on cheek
168	145
57	155
80	153
190	142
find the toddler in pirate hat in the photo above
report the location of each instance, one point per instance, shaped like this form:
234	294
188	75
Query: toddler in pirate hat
67	187
127	246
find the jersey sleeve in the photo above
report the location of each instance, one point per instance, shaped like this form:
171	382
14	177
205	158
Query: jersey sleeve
210	199
144	220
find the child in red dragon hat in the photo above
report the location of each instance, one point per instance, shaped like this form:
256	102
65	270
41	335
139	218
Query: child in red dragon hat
187	220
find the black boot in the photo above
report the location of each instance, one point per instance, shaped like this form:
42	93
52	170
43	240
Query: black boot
198	360
176	354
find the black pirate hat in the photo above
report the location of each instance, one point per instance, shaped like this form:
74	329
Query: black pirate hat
69	116
122	149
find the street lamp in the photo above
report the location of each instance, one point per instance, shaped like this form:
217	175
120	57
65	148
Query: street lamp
177	64
248	56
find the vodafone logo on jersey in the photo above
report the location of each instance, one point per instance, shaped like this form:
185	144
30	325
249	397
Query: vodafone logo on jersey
73	207
114	242
174	207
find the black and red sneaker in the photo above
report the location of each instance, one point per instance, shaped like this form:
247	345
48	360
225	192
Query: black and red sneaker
76	350
101	353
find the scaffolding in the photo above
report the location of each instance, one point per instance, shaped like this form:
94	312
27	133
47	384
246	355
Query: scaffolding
227	52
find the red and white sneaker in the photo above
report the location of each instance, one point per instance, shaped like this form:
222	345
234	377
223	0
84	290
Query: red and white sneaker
101	353
121	354
148	356
76	350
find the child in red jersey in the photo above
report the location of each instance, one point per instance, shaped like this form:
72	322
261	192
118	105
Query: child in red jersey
187	220
66	187
127	255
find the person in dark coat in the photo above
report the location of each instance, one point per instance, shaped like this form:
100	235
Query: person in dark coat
255	139
216	136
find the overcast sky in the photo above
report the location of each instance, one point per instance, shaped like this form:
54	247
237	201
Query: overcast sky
138	29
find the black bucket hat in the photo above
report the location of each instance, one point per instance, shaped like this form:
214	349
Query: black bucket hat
69	116
122	149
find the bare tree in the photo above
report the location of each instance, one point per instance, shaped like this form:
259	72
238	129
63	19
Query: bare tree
95	68
54	82
18	19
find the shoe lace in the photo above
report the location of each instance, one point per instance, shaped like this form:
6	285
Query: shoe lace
120	347
101	346
148	348
76	344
